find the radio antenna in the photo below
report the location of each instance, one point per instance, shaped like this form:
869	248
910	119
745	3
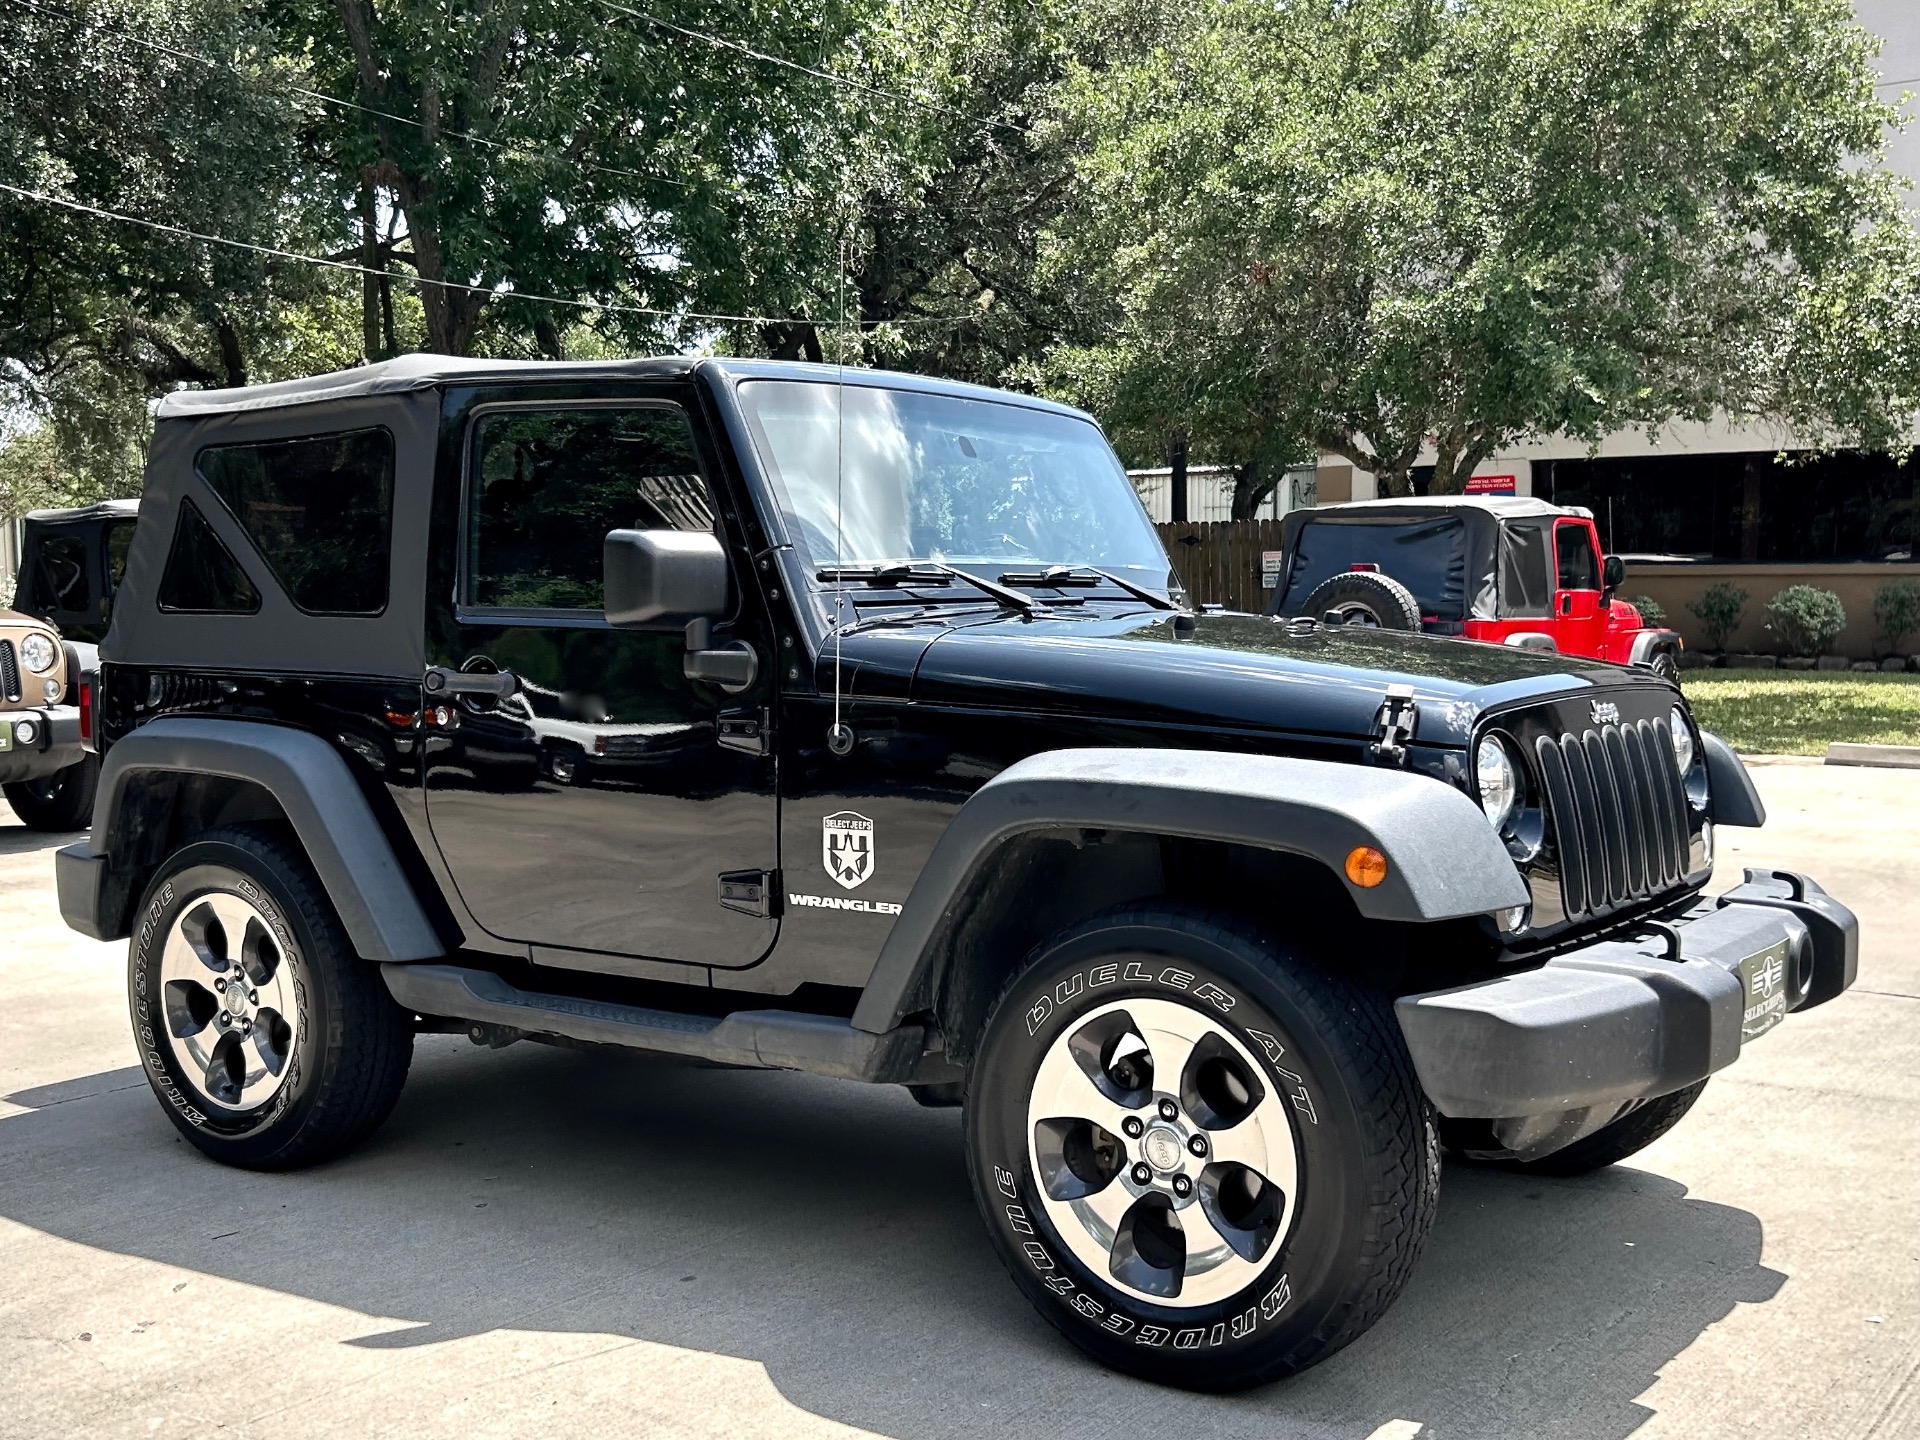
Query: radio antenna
839	735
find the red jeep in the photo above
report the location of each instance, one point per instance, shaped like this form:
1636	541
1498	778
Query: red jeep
1496	568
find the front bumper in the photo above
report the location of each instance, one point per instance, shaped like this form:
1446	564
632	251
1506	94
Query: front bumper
1630	1019
55	742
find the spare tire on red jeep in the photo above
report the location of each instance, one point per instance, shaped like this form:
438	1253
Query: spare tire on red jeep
1365	597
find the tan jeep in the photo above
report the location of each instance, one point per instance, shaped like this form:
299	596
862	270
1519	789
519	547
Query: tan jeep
48	775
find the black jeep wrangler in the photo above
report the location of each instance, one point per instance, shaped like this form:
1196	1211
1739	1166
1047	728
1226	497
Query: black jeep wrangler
855	723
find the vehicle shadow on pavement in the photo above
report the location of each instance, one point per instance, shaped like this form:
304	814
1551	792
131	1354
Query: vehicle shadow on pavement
18	840
826	1231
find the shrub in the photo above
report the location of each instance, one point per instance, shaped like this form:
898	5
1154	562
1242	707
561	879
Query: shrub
1652	612
1896	610
1806	619
1719	612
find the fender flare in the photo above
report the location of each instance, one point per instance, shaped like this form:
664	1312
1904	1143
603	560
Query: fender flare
310	781
1731	794
1443	859
1651	642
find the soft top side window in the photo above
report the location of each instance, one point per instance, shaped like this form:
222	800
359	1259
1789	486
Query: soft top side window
1526	582
60	564
545	486
202	577
319	510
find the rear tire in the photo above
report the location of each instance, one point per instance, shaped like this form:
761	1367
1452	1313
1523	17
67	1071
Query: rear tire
269	1043
1256	1061
1365	598
62	801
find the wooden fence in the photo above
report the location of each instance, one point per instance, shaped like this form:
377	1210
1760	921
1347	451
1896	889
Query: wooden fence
1219	561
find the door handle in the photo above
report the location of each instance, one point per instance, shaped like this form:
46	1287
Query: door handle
497	683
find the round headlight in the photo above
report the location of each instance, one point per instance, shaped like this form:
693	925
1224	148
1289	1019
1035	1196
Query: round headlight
1499	782
1682	740
38	653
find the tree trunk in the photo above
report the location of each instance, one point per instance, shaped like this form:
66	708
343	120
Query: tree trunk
233	359
1177	481
792	340
370	285
1251	487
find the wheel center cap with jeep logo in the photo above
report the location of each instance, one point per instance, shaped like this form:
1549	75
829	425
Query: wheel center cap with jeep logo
1162	1149
234	999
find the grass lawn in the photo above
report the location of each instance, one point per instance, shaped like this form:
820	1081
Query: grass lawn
1798	712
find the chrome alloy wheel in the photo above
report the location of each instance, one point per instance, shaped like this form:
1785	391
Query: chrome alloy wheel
227	1002
1165	1161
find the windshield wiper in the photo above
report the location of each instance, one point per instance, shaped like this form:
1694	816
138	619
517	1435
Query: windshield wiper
1085	575
906	573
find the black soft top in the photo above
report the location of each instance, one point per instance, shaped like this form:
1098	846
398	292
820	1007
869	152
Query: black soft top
1446	549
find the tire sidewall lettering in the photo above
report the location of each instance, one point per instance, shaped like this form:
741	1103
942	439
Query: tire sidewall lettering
1019	1212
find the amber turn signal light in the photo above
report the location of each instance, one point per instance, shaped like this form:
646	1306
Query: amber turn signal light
1366	866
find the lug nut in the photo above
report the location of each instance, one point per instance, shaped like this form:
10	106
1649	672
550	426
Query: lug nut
1182	1186
1169	1110
220	985
1141	1174
1198	1145
1133	1127
225	1018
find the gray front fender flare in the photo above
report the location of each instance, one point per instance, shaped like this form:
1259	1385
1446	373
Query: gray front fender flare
310	781
1443	859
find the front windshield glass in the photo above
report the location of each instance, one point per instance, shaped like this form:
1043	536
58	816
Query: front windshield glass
919	477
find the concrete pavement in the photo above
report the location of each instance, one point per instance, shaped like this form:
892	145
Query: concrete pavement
550	1242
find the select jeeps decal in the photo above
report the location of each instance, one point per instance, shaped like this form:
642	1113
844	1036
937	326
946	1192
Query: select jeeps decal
1112	1319
846	849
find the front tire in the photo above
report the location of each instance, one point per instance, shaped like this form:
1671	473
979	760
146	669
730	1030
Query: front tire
269	1043
1203	1158
1617	1139
61	801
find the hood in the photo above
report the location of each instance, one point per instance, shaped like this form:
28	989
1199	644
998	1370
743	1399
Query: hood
1242	671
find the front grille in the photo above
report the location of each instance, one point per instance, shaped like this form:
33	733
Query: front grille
9	671
1619	814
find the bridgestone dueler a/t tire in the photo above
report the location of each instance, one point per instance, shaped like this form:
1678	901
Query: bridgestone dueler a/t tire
1369	1158
353	1043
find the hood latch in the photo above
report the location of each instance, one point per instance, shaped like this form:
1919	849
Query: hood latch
1393	725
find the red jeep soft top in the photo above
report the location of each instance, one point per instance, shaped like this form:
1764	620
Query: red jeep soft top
1497	568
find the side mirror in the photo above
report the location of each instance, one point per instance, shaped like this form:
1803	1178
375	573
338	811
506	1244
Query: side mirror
663	575
1613	573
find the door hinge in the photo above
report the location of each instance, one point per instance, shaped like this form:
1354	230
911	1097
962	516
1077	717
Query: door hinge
1393	725
746	731
751	892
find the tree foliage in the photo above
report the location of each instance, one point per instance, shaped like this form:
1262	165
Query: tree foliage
1376	226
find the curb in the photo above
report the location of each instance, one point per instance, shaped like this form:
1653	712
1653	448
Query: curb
1888	757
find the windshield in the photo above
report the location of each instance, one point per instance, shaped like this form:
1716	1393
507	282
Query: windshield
918	477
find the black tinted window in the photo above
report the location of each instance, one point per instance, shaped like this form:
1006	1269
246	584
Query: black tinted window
202	574
320	511
119	538
61	562
1526	583
546	486
1578	569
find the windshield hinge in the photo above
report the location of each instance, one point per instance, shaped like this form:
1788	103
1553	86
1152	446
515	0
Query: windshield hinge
751	892
1393	725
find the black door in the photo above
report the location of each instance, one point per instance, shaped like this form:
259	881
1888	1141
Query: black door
595	810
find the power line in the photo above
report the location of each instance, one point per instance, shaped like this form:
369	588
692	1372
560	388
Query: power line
505	147
321	260
722	42
492	292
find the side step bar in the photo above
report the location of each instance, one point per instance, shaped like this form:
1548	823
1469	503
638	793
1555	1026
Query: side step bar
765	1039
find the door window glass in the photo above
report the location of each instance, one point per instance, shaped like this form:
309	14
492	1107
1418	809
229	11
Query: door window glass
547	485
202	576
1578	569
1525	584
319	511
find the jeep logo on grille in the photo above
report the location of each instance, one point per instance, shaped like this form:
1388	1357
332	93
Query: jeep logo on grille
1605	712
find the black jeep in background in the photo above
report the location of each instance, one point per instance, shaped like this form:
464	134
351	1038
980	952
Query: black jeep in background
857	724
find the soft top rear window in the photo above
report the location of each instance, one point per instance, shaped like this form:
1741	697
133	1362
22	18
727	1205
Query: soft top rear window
1429	557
